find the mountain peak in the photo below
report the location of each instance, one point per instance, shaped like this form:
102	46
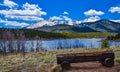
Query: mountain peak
104	20
103	25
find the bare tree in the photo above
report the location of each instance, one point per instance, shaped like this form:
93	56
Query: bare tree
20	42
32	44
22	36
59	45
10	38
39	46
1	47
77	44
3	42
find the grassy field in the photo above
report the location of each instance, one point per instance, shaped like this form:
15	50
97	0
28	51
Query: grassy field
88	35
43	60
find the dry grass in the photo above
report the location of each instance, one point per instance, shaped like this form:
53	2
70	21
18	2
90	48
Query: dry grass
42	60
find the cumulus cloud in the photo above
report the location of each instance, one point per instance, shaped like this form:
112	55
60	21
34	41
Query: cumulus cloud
30	6
33	9
116	21
26	18
93	12
58	18
67	18
114	9
28	12
78	22
9	3
41	23
55	18
93	15
91	19
13	23
66	13
61	19
22	12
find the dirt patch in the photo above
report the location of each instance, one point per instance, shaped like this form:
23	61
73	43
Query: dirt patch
75	67
93	67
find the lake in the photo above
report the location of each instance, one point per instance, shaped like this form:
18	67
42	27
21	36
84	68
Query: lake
30	45
75	43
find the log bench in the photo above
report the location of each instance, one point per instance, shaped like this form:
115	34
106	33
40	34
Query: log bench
105	58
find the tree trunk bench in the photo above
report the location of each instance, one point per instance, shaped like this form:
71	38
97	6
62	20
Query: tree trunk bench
106	58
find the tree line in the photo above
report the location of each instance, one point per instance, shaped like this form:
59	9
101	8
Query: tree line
13	40
31	34
115	37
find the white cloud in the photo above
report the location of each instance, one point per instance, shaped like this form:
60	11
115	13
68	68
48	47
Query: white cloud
114	9
33	9
35	12
93	12
29	12
30	6
93	15
116	21
91	19
78	22
9	3
65	13
67	18
61	20
41	23
55	18
13	23
26	18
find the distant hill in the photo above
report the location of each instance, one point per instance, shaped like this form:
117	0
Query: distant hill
64	28
103	25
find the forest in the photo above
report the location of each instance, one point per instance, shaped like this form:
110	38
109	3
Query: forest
115	37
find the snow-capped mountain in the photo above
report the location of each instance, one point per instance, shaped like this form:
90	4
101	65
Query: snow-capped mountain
40	24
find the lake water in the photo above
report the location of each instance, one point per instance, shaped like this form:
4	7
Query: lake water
56	44
75	43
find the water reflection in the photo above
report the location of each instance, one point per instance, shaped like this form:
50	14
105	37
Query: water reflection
36	45
75	43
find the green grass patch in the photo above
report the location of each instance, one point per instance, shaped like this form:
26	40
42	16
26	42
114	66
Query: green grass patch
88	35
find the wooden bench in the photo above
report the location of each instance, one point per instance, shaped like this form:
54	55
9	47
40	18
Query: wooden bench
106	58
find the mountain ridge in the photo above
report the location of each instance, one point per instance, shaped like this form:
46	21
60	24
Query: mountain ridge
102	25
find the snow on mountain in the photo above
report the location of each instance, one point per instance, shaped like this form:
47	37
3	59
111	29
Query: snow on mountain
41	23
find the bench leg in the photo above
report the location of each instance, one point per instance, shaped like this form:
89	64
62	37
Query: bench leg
65	65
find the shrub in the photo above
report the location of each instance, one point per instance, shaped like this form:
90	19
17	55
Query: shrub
56	68
105	44
118	60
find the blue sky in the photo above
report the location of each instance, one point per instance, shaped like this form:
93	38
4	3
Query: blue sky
20	13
